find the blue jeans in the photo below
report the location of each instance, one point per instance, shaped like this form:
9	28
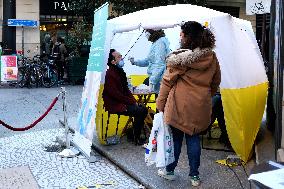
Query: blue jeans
193	151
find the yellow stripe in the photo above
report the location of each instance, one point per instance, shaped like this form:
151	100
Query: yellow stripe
243	109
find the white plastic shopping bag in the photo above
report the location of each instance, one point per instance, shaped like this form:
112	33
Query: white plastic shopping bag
151	150
160	149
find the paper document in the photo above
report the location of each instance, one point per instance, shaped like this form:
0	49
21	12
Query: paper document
273	179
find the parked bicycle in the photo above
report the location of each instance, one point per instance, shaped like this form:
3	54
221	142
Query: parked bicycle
49	73
28	73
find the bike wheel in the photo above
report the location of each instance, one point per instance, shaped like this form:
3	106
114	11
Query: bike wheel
49	78
33	79
22	78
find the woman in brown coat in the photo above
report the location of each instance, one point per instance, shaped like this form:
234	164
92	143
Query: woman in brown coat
191	79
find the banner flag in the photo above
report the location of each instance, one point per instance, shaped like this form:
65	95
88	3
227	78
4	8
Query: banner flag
86	122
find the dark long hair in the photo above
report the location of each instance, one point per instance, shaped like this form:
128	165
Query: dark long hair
120	71
155	34
197	35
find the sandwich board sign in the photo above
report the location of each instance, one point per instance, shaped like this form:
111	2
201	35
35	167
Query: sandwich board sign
9	69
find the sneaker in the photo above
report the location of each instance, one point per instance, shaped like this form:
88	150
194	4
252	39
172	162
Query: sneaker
195	180
166	175
145	145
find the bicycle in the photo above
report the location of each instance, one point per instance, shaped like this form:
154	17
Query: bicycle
49	73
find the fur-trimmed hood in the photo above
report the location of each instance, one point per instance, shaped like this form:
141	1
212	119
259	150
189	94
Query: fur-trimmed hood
201	58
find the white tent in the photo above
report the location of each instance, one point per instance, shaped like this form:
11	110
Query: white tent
244	82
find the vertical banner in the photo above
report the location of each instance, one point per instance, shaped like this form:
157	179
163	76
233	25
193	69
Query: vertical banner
9	69
86	122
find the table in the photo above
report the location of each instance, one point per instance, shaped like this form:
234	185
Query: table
144	98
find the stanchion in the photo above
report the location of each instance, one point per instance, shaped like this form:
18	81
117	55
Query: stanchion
68	152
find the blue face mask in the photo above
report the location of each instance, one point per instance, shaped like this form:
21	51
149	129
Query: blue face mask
120	64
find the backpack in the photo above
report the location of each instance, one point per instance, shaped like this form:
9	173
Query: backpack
56	51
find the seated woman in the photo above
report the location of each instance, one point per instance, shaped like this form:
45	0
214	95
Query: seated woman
117	97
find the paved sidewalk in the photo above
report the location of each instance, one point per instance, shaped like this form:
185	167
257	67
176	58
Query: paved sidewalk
53	172
19	108
131	158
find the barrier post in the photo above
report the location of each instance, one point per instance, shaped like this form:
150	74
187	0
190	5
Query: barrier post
68	152
65	117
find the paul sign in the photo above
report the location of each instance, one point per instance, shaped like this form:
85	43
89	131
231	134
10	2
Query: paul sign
61	5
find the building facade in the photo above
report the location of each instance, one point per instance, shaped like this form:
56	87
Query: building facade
28	10
53	18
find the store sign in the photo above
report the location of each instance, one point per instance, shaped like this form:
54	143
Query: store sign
27	23
61	5
55	7
9	69
257	6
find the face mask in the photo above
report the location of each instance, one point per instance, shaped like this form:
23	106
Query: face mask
120	64
147	35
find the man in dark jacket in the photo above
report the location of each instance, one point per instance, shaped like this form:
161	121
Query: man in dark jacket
117	97
59	51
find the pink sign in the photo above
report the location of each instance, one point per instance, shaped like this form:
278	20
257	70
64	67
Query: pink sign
9	70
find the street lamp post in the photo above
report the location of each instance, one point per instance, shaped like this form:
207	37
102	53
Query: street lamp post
9	33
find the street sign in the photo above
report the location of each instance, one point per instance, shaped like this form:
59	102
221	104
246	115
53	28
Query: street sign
27	23
257	6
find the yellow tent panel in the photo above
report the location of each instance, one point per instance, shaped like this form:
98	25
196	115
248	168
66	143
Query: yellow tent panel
243	109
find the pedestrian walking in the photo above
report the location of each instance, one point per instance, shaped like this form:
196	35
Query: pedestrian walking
191	79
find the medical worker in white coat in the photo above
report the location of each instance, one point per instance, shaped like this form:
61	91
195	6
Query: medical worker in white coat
156	59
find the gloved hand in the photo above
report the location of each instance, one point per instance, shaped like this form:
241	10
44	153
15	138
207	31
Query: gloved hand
151	87
131	59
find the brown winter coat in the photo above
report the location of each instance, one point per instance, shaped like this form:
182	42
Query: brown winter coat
190	81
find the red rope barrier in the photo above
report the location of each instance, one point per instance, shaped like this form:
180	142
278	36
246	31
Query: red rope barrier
34	123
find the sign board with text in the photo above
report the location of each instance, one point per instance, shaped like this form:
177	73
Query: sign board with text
9	69
257	6
86	122
55	7
26	23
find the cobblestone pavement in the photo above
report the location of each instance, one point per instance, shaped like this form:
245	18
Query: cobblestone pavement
19	107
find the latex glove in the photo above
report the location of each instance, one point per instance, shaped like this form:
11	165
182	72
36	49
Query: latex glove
152	87
131	59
